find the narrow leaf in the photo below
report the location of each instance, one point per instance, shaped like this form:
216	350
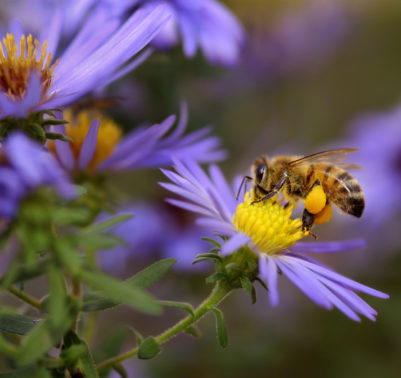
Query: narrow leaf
148	349
35	344
141	280
87	363
67	254
106	224
151	274
15	323
57	302
182	305
221	328
121	292
194	331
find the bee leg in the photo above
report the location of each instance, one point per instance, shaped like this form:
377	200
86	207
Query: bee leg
307	220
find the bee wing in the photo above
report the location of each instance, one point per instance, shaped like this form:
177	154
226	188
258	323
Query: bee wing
335	157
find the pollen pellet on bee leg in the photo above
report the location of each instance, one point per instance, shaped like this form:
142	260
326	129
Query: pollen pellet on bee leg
324	216
315	201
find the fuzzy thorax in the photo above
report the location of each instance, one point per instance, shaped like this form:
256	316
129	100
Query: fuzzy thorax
16	65
268	224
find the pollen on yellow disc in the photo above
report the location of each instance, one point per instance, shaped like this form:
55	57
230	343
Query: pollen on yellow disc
324	216
108	136
16	66
315	201
268	224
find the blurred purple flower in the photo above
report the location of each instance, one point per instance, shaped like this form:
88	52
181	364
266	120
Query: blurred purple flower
142	148
213	199
97	56
378	136
153	231
204	24
26	166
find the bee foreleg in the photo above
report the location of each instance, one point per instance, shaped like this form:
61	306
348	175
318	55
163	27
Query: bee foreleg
275	190
244	180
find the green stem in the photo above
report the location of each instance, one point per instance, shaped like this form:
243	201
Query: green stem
25	297
216	296
76	291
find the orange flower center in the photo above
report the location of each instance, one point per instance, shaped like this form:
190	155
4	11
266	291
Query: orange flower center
15	69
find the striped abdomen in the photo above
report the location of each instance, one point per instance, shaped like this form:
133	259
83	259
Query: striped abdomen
340	187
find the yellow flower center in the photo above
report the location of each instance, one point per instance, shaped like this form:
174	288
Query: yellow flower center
15	70
107	138
268	224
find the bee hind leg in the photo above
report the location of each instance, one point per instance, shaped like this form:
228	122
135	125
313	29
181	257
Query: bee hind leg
308	220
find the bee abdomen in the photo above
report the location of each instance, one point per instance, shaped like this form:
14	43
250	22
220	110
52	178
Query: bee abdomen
347	194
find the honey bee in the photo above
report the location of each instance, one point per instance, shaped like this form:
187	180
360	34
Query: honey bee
319	180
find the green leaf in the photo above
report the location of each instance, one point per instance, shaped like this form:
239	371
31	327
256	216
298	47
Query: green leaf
138	336
6	348
67	254
247	285
15	323
221	328
142	280
148	349
182	305
194	331
106	224
27	372
78	350
151	274
65	216
121	292
57	302
100	241
87	363
35	344
19	273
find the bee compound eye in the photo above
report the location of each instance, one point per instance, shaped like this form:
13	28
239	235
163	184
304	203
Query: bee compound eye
259	172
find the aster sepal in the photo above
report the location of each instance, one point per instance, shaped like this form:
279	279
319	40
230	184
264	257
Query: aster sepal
35	126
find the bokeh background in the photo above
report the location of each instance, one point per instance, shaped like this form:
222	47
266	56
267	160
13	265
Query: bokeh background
311	75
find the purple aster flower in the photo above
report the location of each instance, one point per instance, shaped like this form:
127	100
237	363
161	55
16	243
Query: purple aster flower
154	231
97	144
99	54
200	24
26	166
378	137
266	228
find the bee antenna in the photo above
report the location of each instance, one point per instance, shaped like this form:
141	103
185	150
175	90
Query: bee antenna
243	181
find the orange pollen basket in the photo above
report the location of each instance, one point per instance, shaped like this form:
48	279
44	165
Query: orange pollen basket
15	70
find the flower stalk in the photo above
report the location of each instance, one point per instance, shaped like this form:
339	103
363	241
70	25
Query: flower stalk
219	292
27	298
